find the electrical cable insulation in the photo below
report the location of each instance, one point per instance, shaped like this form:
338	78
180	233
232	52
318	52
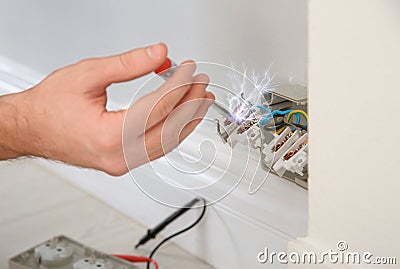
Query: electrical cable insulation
137	259
179	232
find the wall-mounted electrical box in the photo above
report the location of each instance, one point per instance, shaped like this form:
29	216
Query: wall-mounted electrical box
277	126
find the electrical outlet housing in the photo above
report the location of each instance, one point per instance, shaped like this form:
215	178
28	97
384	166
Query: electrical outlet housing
283	152
61	252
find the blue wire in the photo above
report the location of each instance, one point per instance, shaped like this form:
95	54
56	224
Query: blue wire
264	120
297	118
281	113
263	108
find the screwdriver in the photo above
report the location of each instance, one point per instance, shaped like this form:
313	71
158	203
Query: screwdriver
167	69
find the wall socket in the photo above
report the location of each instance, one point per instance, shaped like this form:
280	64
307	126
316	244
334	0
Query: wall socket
61	252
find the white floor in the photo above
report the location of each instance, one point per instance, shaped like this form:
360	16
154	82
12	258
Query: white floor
36	205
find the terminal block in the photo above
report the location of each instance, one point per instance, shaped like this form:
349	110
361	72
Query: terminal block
276	126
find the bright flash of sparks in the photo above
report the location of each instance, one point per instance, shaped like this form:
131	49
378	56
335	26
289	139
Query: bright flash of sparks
251	90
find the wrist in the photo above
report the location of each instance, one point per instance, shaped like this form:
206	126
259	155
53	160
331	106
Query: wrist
13	126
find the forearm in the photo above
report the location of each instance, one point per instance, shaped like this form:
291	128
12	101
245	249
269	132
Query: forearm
64	117
12	127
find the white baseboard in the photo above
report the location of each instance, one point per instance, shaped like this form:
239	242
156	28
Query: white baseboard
235	229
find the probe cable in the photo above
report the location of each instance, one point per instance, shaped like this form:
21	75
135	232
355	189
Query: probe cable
179	232
135	259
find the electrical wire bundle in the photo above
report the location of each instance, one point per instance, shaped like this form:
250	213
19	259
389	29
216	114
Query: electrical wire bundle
151	233
277	120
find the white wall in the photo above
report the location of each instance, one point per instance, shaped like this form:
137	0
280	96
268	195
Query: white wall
47	34
354	83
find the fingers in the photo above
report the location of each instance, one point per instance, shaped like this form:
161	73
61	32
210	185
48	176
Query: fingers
167	135
197	91
198	117
180	115
172	92
164	148
154	107
128	65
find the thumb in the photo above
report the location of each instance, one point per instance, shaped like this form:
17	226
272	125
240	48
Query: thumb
131	64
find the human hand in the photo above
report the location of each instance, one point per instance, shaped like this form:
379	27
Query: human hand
64	117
